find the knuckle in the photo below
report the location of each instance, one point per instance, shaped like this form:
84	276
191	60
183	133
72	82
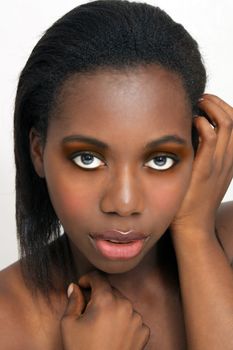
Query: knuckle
104	300
146	330
137	318
227	123
145	334
211	138
126	306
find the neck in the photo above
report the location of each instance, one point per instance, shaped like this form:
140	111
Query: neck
130	282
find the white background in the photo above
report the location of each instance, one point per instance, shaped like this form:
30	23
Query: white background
22	22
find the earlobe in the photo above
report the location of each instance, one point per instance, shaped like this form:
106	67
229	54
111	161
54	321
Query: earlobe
36	151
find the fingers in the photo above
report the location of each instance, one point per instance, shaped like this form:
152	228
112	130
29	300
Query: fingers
118	294
99	284
101	291
205	153
146	335
97	281
219	102
222	116
76	302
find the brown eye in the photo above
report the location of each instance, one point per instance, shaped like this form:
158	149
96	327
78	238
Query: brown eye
87	160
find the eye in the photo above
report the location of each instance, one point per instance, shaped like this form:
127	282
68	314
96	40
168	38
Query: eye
87	160
162	162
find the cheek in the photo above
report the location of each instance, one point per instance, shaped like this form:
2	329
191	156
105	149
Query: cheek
167	196
70	201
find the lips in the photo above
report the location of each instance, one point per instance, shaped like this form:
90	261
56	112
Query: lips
119	236
116	244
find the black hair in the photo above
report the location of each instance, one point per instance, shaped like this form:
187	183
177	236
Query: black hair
115	34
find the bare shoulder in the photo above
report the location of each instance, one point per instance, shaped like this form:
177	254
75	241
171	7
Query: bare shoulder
224	224
24	323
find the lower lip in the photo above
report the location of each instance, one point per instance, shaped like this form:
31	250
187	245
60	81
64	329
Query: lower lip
118	251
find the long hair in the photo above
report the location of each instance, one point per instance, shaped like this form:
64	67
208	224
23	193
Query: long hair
100	34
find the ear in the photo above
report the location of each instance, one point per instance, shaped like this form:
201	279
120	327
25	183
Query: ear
36	151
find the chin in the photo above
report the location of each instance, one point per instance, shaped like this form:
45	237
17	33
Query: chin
117	266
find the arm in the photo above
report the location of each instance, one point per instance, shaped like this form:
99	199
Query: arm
224	226
206	282
206	278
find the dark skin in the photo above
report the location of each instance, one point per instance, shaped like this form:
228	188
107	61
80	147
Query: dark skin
129	191
127	110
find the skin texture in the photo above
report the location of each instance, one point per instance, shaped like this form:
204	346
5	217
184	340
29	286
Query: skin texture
127	110
212	173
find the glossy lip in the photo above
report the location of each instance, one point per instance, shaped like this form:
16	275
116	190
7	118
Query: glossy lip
118	250
119	236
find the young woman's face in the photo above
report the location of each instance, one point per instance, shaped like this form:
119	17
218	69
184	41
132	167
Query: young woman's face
119	156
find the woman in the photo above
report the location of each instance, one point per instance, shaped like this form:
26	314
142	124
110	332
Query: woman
116	143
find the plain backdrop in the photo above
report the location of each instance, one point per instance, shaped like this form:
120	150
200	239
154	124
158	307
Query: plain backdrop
22	22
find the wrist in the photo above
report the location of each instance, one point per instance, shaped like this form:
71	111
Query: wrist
201	221
193	237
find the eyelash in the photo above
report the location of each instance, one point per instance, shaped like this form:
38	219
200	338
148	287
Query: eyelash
171	157
80	154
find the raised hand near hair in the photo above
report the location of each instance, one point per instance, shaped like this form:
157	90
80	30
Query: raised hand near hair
212	169
108	321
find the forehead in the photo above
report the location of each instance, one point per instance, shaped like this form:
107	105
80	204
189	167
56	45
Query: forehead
143	98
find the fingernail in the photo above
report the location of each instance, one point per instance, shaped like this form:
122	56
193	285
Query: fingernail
200	99
70	290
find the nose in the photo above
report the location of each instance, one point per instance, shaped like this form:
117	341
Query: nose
123	194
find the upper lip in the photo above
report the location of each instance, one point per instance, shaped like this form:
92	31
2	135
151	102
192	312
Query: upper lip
116	235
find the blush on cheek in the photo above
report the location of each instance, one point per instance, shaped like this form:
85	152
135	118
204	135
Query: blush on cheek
166	199
72	204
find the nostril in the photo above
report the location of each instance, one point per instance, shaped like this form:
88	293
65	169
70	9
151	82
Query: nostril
123	213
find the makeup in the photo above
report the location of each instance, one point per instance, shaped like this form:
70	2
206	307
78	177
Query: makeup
116	244
121	251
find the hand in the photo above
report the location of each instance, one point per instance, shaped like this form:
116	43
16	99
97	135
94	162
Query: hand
108	322
212	168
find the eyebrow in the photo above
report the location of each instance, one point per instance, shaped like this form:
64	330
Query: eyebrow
166	139
154	143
